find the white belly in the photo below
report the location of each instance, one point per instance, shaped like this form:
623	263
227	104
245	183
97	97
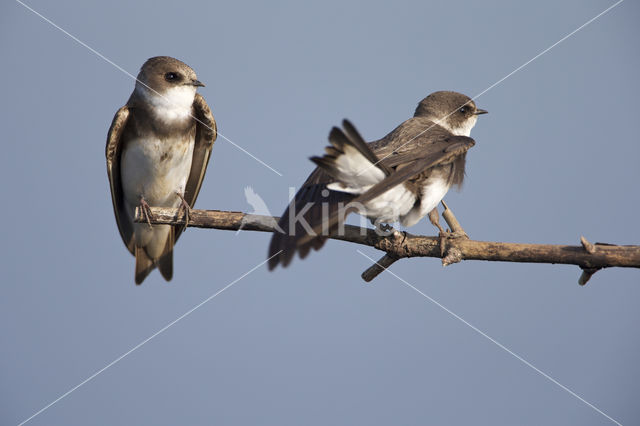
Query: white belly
156	169
432	193
390	206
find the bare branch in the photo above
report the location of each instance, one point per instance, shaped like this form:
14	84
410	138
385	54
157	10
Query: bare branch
378	267
590	257
590	248
451	220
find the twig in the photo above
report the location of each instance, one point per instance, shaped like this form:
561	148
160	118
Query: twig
586	275
451	220
590	248
604	255
378	267
450	254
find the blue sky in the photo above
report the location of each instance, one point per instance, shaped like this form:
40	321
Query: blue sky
554	159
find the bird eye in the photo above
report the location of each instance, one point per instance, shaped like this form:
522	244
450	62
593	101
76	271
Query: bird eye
463	110
171	76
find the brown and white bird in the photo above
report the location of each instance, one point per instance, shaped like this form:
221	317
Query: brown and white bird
399	178
158	148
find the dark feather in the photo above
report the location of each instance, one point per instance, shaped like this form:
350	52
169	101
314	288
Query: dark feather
206	133
447	154
165	261
411	150
144	265
113	151
288	242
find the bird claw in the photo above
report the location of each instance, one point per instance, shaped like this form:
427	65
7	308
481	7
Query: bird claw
186	208
452	235
384	229
449	235
146	211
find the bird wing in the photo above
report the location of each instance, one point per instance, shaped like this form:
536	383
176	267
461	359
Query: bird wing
350	161
206	133
346	157
307	205
374	163
420	154
113	151
416	161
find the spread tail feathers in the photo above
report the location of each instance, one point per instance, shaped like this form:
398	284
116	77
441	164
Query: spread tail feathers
350	167
307	206
350	161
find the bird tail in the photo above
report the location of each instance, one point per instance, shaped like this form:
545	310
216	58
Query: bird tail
164	263
353	167
144	264
350	161
293	237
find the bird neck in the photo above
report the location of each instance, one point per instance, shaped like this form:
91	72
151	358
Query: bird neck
173	106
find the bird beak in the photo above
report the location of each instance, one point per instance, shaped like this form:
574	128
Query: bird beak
481	111
197	83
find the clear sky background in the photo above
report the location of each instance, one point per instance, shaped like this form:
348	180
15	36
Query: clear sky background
556	158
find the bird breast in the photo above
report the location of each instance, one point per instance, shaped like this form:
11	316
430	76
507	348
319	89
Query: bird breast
156	169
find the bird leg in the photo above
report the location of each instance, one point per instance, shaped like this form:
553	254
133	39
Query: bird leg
186	207
146	211
385	230
434	218
455	232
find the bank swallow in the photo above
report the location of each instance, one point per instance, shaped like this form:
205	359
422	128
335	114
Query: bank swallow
399	178
158	148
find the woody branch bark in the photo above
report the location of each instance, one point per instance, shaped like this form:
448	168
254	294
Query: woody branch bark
449	254
591	257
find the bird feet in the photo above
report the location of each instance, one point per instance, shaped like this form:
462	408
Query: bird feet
146	211
186	208
452	255
384	228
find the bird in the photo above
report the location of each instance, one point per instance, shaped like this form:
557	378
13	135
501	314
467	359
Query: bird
399	178
158	147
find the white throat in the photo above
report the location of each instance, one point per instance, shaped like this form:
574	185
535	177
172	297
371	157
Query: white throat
464	130
172	105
